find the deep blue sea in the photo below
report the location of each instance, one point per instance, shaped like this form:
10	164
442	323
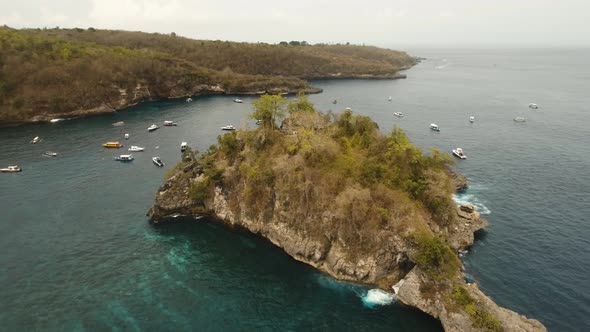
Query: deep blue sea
77	252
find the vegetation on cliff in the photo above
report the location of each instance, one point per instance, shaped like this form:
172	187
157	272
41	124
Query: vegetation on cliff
55	72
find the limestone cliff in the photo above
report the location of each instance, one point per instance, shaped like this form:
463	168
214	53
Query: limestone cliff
376	219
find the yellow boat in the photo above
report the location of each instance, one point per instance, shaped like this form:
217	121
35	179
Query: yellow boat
114	145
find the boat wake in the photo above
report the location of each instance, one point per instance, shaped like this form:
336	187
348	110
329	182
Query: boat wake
469	198
377	297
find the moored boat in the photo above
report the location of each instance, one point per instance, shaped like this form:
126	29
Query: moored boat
50	154
11	169
399	114
533	106
472	119
153	127
228	127
519	119
458	152
158	161
170	123
183	146
124	157
118	123
35	140
126	136
238	100
434	127
112	145
189	99
135	148
56	120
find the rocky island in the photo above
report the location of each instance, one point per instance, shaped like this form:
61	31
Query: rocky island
65	73
334	192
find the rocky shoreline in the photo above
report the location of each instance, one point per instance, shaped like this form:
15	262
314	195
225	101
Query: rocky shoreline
389	268
128	98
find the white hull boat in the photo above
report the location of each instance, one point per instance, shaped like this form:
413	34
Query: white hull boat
135	148
472	119
126	136
183	146
124	157
118	124
434	127
188	100
158	162
50	154
230	127
398	114
11	169
56	120
519	119
458	152
239	101
533	106
35	140
170	123
153	127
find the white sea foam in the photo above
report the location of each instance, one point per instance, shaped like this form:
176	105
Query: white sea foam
467	198
375	297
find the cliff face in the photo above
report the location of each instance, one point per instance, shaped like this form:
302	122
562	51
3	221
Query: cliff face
354	203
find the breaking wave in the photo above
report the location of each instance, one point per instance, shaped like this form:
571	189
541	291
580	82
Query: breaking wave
376	297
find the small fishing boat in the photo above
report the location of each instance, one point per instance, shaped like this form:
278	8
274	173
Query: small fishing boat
153	127
170	123
434	127
50	154
238	100
135	148
35	140
519	119
56	120
158	161
399	114
458	152
118	123
124	157
183	146
472	119
112	145
189	99
11	169
533	106
126	136
228	127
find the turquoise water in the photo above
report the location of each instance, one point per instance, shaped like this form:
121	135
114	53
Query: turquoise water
78	253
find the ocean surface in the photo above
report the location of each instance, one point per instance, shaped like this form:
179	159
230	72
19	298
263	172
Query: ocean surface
77	252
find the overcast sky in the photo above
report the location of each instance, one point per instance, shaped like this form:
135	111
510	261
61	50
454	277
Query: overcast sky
385	23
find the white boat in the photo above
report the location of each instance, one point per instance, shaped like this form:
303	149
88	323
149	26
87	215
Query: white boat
183	146
389	99
158	161
434	127
135	148
56	120
124	157
229	127
153	127
238	100
472	119
50	154
170	123
458	152
11	169
126	136
189	99
519	119
35	140
118	124
533	105
400	114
